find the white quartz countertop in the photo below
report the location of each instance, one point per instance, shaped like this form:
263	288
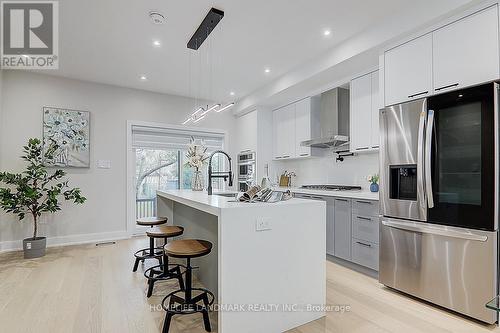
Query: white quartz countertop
213	204
352	194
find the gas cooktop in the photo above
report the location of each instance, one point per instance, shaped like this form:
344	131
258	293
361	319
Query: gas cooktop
331	187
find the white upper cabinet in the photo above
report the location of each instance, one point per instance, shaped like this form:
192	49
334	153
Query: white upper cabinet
246	126
361	107
457	55
292	124
466	51
284	132
408	70
364	130
302	127
289	132
375	135
278	125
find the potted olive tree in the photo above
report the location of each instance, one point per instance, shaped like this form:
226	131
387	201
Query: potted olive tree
36	191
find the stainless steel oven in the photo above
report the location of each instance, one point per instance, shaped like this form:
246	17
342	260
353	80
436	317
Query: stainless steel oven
439	199
246	170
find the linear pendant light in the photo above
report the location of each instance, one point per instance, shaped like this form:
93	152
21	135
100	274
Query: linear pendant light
198	119
225	107
206	27
210	109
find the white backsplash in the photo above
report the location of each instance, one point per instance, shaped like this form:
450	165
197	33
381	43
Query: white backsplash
325	170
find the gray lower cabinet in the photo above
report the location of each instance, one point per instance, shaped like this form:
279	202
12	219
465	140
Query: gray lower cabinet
342	228
352	229
365	253
365	233
365	228
330	217
365	207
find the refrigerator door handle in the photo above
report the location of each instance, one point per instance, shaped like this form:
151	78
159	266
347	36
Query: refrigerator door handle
440	231
428	157
420	160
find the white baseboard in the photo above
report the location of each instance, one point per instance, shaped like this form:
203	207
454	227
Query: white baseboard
69	240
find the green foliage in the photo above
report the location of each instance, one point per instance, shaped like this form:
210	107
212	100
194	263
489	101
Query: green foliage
35	191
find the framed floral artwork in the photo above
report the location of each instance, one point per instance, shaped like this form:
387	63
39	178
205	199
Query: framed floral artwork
70	131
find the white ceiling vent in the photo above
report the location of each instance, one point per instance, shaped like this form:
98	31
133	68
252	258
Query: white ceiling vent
157	17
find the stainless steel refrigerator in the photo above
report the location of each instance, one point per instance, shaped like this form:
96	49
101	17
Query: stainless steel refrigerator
439	199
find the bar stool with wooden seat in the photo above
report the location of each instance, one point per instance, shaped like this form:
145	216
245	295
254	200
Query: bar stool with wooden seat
152	252
182	302
164	271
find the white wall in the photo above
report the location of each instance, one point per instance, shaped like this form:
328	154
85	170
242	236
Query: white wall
104	214
1	119
352	171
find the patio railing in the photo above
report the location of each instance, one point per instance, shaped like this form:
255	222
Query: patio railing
145	207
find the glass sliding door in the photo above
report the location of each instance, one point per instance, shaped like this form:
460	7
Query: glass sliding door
160	163
155	169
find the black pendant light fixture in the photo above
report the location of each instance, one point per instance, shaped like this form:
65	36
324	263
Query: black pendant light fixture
206	27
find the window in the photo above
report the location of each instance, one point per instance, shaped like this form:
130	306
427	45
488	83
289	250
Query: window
160	162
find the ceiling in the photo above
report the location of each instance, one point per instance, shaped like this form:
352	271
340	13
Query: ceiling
111	41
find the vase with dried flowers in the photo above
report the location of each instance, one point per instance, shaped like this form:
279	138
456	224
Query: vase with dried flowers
196	157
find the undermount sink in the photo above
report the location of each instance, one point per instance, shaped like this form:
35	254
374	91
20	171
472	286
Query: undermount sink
228	195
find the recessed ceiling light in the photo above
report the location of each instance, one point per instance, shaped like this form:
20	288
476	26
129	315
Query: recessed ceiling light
327	32
232	93
267	70
156	43
143	78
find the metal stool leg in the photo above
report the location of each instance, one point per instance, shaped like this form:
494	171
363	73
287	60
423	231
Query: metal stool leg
166	323
136	264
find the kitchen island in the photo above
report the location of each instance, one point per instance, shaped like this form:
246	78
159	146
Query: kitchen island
267	266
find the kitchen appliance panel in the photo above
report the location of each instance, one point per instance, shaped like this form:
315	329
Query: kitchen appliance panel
401	160
460	164
449	266
246	170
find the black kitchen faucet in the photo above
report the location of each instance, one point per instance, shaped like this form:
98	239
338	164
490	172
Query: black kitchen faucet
221	174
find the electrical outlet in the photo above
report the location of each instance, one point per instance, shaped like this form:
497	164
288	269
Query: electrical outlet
262	224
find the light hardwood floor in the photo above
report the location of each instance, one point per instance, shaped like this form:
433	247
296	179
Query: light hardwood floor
92	289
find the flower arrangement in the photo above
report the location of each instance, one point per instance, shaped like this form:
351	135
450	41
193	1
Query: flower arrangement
196	155
373	179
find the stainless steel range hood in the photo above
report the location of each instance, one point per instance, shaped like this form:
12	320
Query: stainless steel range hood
330	120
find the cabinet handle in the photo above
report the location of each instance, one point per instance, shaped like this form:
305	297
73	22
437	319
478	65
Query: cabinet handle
376	146
344	200
362	148
306	154
415	95
364	218
364	244
364	202
448	86
286	156
278	157
317	198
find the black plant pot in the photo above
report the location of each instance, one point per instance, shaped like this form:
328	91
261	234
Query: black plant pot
34	247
